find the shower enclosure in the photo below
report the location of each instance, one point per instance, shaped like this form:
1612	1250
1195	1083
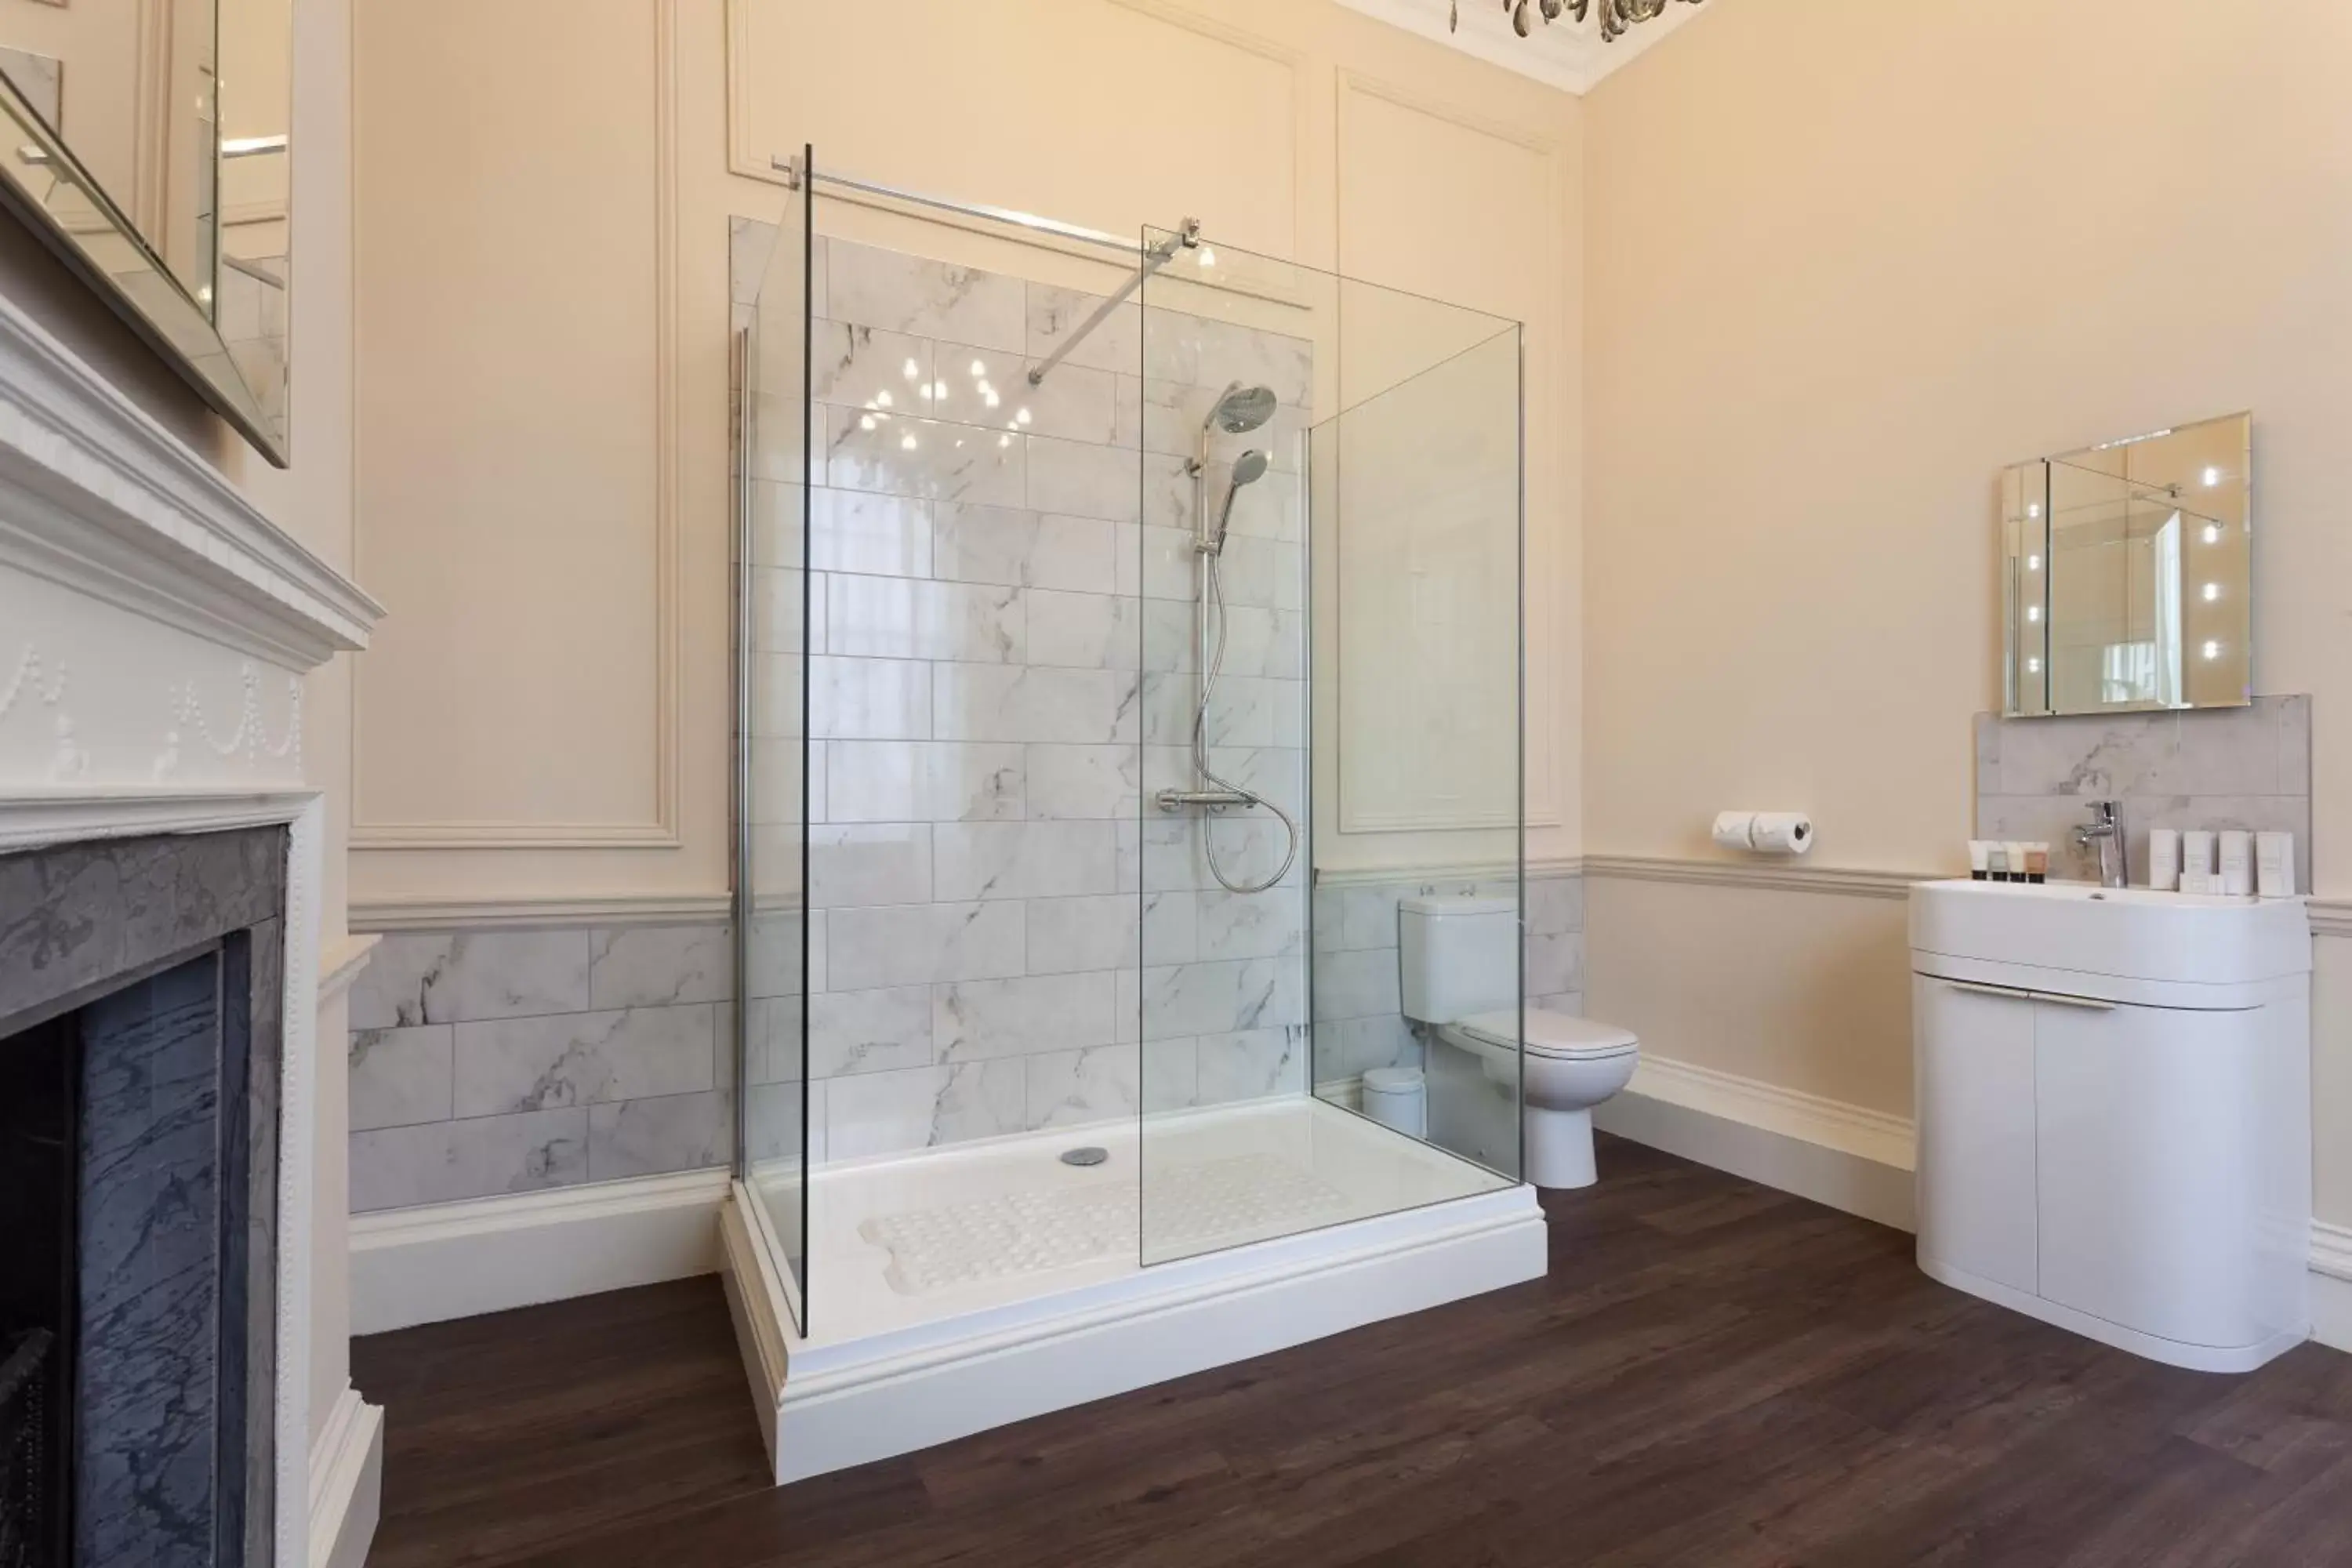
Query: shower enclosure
1117	624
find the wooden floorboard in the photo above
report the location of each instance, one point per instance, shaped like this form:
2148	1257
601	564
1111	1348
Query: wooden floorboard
1713	1374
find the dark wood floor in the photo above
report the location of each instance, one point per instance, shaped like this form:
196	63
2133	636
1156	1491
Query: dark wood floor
1713	1374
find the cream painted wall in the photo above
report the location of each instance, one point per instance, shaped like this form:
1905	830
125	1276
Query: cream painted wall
542	319
1846	260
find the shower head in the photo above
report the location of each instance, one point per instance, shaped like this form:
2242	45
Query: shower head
1248	468
1241	409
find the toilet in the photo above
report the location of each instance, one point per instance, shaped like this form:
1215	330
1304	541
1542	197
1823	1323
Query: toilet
1459	967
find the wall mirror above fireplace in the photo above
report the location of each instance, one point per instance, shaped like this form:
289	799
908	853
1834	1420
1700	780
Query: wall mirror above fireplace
148	143
2127	575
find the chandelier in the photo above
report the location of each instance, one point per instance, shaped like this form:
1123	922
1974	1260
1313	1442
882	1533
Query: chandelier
1616	16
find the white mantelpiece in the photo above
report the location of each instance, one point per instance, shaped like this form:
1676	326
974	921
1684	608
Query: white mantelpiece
154	631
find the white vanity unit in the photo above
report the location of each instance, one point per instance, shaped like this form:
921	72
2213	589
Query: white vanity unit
2114	1100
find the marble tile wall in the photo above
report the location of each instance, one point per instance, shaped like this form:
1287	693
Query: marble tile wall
1359	1021
489	1062
2218	768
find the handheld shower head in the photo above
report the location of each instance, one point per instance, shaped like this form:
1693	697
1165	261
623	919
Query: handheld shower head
1248	468
1240	409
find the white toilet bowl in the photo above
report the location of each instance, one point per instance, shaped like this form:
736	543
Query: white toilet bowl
1572	1065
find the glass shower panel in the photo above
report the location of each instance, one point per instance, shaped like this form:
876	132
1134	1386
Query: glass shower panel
1248	1011
771	736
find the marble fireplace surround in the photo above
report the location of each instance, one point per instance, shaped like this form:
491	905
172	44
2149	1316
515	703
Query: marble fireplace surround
174	1367
155	630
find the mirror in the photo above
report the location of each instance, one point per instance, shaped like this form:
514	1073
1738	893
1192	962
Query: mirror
147	142
2128	574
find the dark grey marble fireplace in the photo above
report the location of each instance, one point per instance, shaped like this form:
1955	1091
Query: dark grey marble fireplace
140	1048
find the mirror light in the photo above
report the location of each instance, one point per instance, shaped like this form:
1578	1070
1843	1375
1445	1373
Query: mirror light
2033	563
2212	477
2033	511
2212	650
2212	533
2212	592
2033	667
2032	612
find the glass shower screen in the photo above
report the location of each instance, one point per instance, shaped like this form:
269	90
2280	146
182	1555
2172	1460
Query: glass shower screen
771	729
1330	647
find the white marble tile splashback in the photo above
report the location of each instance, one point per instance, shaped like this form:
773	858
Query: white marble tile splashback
2214	768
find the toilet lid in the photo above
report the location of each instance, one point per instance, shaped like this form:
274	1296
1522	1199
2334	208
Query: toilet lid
1551	1034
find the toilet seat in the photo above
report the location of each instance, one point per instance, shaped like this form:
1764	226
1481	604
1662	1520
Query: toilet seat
1562	1037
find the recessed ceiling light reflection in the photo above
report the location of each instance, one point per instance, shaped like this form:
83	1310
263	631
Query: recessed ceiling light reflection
924	392
2033	511
2032	612
2212	533
978	369
906	442
1208	256
2033	667
865	422
1022	417
882	398
938	389
2212	592
913	370
991	398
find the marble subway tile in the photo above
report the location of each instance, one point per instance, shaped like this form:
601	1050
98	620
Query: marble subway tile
1168	636
779	773
656	1137
1370	913
1081	782
775	1042
1555	904
980	1019
1363	1045
1358	983
868	367
916	944
400	1077
1250	848
870	698
440	1162
1570	1003
649	965
882	536
1555	963
869	863
897	1112
1202	999
776	954
1080	480
1070	936
1268	574
1016	547
914	781
899	617
776	1116
750	245
1329	922
999	702
1055	314
513	1064
453	978
1077	1089
1251	1064
924	298
1254	358
870	1031
783	690
782	621
1170	565
2223	751
926	460
1249	925
1167	707
1025	859
1171	1074
1083	631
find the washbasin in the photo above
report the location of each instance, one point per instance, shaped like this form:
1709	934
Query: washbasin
2129	934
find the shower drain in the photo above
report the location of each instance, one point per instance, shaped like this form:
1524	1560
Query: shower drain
1089	1155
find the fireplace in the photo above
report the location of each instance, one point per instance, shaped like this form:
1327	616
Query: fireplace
141	987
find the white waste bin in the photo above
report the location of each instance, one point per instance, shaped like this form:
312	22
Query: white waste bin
1398	1098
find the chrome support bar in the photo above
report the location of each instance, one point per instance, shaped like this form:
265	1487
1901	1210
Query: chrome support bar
1156	258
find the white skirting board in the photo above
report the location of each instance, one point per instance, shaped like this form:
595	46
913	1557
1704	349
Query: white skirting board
456	1260
846	1406
346	1482
1851	1159
1842	1156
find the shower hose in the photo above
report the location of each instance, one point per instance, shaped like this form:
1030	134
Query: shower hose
1214	588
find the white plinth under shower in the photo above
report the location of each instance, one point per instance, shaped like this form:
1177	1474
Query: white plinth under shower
1269	1225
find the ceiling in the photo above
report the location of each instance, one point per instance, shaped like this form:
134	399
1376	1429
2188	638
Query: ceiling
1566	54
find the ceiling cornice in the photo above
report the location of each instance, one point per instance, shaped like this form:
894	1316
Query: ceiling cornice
1565	54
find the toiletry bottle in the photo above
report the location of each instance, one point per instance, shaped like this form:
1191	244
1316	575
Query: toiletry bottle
2163	859
1980	860
1998	859
2037	862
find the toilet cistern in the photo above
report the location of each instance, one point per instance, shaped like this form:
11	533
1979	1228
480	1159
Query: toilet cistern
2106	829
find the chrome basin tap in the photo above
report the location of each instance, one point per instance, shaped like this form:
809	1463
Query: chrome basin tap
2106	829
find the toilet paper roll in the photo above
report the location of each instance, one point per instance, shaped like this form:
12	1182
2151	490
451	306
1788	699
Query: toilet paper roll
1736	829
1782	833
